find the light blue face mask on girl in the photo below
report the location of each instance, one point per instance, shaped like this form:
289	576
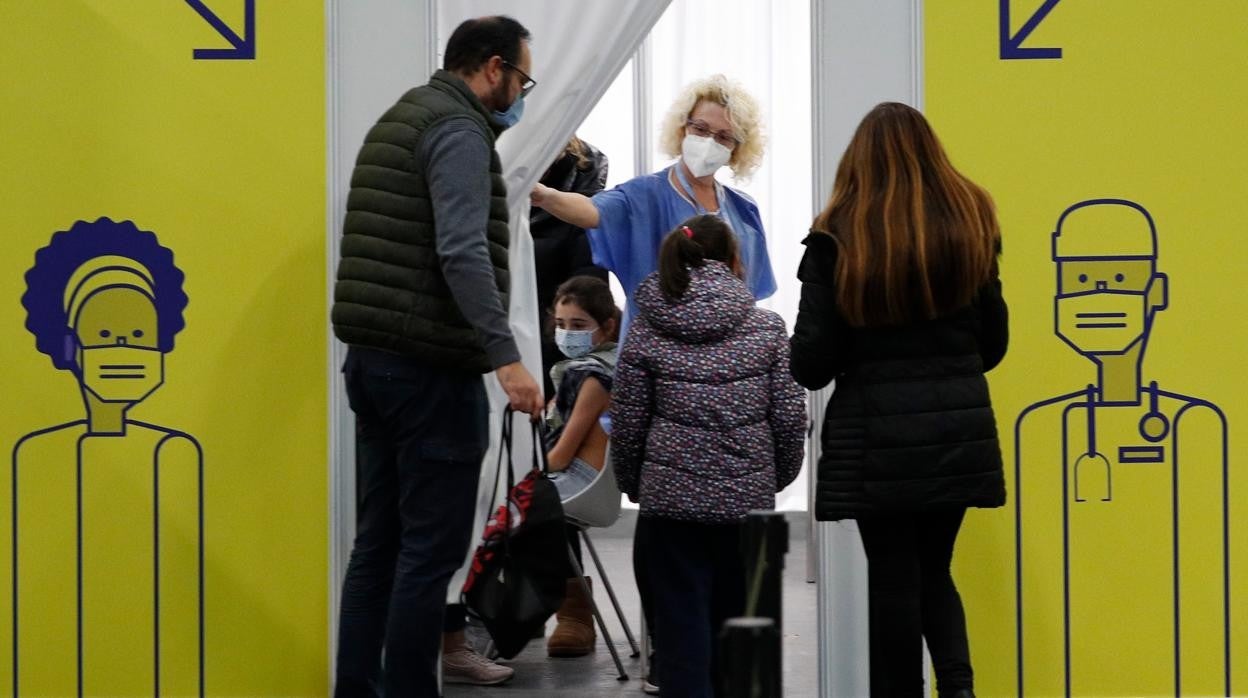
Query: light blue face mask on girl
574	343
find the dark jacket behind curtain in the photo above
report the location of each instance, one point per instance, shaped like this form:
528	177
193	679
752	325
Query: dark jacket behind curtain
561	250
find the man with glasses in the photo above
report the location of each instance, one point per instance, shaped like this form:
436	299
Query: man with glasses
421	298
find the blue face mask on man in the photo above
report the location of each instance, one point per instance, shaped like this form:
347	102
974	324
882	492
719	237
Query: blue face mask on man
511	117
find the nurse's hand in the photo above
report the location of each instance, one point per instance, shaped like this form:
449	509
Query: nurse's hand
540	195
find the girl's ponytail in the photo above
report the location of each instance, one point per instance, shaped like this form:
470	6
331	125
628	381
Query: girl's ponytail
692	244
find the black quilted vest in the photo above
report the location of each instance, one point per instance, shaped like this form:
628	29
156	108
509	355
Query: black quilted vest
390	293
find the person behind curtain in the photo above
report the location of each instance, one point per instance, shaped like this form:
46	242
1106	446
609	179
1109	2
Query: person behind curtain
586	327
901	304
707	425
713	123
421	300
561	249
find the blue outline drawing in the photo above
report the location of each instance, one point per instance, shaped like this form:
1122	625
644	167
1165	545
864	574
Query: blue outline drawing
244	47
94	499
1011	44
1119	466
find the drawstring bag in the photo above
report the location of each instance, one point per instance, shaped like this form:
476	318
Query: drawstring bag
519	572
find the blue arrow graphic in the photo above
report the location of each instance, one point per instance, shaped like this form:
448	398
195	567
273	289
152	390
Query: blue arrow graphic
244	47
1011	45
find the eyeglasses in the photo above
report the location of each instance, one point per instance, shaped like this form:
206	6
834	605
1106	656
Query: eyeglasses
529	83
702	130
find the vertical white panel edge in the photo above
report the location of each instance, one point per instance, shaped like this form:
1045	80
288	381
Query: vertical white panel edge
373	52
917	56
338	469
864	52
643	134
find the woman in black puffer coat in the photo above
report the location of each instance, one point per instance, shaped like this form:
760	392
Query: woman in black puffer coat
901	305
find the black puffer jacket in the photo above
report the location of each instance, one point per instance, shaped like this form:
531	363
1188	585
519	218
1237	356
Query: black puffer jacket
561	250
910	425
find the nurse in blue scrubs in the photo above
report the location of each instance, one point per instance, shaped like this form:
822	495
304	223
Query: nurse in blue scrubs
714	123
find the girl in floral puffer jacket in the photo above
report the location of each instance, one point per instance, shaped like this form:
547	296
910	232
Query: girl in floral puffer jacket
707	424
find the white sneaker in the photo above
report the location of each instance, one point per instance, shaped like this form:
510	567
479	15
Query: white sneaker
650	682
466	666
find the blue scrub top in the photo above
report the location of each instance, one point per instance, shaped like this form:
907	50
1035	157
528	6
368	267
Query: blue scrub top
635	216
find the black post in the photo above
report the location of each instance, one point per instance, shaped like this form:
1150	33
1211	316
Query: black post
764	543
749	650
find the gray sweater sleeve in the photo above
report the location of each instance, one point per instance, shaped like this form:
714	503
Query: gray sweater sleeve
457	167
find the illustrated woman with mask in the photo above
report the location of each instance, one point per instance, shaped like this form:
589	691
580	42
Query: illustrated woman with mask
713	123
107	510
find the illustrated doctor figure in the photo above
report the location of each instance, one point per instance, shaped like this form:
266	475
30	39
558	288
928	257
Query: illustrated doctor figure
1123	585
107	511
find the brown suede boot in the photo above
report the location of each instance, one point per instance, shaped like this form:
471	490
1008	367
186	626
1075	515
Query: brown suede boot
574	634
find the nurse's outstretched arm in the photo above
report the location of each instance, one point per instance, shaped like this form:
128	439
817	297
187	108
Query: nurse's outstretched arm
567	206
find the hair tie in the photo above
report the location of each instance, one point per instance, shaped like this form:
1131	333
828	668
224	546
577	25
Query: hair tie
688	232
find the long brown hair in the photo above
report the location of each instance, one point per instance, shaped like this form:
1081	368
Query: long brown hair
916	238
693	243
576	148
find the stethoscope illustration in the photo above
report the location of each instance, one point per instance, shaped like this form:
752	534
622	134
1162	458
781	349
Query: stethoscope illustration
1154	427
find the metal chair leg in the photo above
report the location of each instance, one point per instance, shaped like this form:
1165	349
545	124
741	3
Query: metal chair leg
606	582
606	636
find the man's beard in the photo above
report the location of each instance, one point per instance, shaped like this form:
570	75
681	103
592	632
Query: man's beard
499	97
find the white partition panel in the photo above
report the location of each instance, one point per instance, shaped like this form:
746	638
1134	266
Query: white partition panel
375	51
864	52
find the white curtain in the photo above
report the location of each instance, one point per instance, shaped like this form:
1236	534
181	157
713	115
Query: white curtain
578	48
765	46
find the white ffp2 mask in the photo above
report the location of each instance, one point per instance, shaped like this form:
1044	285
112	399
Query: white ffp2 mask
702	155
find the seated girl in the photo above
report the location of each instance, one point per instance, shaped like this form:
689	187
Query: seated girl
586	327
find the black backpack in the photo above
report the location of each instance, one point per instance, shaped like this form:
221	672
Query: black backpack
519	572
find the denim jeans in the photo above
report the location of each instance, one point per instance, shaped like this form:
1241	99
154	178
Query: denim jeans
574	479
421	432
912	597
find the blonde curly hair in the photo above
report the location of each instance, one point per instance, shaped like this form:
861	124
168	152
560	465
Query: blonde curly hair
743	113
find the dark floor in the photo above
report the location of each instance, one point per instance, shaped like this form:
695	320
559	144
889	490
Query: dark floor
595	675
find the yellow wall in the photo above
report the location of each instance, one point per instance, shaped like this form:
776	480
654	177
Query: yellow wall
1147	103
106	114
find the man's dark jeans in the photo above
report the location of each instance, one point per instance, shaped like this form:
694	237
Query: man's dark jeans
421	432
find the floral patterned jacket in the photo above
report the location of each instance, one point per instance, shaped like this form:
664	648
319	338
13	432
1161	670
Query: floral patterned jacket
707	423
